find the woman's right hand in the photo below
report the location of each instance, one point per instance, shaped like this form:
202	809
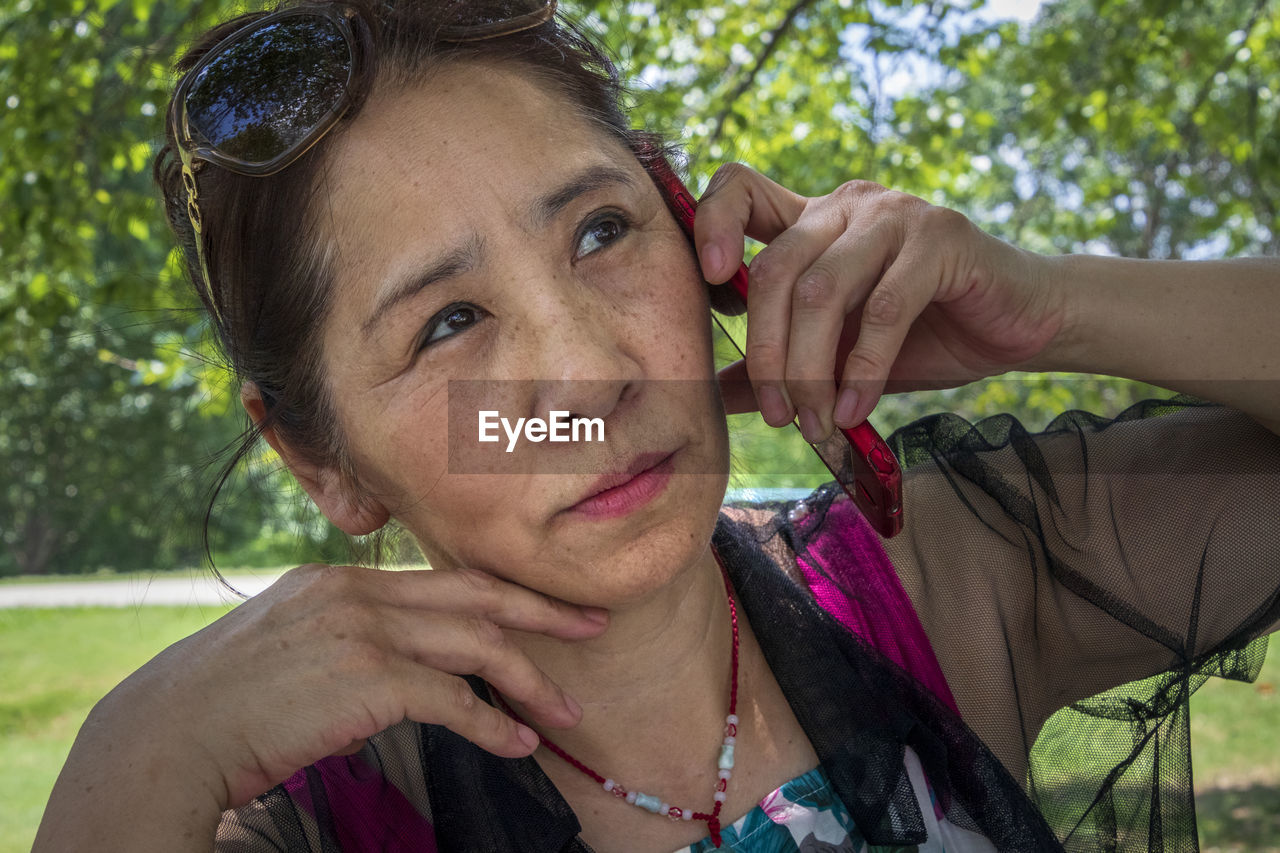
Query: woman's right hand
324	658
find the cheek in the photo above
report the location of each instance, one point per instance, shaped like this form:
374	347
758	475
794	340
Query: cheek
401	455
672	312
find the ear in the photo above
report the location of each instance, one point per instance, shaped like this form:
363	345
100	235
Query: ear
353	513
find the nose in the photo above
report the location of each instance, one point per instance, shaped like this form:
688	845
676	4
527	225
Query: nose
576	349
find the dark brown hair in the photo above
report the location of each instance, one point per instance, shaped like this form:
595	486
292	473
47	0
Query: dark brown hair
269	279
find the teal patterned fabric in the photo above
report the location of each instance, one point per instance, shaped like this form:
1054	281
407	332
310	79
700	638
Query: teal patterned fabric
803	816
806	816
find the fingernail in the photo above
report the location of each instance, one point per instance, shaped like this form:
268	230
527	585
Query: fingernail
527	736
598	615
712	259
810	425
573	706
773	407
846	407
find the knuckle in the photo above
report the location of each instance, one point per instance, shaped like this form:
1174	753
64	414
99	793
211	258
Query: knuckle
479	586
765	359
494	724
943	221
860	362
461	697
486	635
805	388
884	307
726	174
854	191
337	582
772	262
308	575
818	288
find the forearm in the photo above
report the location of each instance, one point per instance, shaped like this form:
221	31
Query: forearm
1205	328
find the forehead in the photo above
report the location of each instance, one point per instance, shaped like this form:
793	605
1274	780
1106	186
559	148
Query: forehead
447	155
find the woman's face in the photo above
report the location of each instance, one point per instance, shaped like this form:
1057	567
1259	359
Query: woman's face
482	232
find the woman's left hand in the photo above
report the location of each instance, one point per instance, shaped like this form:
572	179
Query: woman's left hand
879	288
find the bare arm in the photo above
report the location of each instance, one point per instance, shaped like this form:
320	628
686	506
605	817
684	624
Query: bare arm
1206	328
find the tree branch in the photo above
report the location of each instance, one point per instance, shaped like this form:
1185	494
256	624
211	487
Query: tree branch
776	36
1191	135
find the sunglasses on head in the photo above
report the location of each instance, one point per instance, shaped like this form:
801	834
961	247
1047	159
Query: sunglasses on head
261	97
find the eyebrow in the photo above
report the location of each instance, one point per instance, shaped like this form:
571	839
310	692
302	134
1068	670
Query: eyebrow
548	206
468	255
452	262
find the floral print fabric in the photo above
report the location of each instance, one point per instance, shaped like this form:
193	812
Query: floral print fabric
805	816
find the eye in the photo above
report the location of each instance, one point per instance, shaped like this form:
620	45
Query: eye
600	232
448	322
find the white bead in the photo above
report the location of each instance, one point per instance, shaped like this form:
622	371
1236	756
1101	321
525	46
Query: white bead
608	784
631	797
730	740
720	796
732	719
664	809
725	774
799	511
688	815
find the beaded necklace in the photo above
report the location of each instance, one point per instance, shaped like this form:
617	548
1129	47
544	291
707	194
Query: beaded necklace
724	763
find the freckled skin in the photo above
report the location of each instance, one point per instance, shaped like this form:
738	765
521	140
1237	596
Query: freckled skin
420	170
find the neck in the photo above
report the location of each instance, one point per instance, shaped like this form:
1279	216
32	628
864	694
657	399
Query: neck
661	667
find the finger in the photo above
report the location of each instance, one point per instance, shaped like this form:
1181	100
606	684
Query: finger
469	645
510	605
825	295
739	202
735	389
447	700
772	303
352	748
905	290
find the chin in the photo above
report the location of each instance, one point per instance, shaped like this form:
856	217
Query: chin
631	563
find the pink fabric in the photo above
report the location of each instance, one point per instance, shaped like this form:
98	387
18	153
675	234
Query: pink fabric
852	578
369	813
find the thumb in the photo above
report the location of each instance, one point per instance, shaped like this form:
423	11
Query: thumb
739	202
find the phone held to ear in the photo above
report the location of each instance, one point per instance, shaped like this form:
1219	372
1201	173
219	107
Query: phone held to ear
859	458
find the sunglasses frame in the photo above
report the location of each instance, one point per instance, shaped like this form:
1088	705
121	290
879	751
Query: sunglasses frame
194	155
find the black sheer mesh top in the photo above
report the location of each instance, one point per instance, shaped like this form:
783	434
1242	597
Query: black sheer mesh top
1076	585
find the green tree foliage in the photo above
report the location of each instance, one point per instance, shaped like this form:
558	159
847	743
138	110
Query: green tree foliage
111	412
1143	127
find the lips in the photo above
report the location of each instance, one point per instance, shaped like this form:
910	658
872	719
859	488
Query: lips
621	492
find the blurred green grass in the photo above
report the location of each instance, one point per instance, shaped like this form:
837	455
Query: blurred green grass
56	663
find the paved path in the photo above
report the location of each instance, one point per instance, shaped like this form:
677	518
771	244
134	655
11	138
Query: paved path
172	590
202	588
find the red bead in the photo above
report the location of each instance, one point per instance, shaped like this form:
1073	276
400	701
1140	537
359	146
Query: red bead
722	785
619	792
675	813
730	730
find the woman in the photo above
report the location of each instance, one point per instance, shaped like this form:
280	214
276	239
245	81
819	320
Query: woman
446	214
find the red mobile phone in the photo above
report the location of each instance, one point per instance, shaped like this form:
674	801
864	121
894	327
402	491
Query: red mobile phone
859	458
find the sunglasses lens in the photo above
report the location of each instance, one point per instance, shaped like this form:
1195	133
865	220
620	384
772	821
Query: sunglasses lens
466	20
264	94
489	12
